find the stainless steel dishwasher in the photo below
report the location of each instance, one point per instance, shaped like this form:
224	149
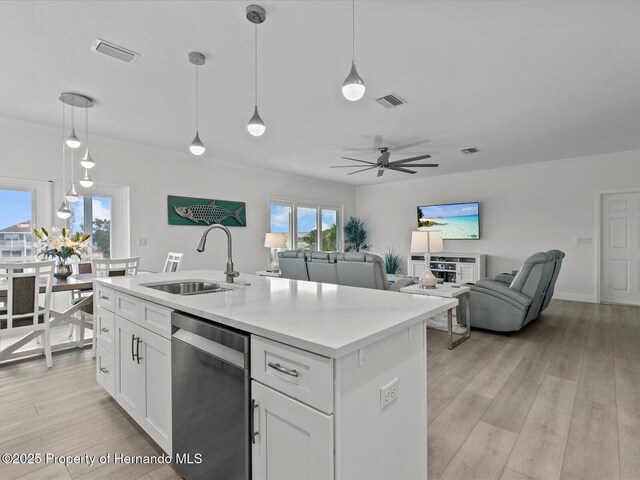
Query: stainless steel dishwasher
211	392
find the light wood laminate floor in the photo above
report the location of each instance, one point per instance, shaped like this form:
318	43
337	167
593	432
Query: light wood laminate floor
560	399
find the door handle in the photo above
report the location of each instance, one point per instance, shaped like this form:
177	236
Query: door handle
254	434
280	368
133	354
138	350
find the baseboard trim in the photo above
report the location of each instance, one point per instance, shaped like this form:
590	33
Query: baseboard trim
574	297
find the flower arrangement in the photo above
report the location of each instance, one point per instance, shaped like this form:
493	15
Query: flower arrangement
61	245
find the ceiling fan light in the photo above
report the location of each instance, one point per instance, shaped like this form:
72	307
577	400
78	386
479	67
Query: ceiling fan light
63	211
73	141
256	126
86	181
353	87
197	147
72	195
87	161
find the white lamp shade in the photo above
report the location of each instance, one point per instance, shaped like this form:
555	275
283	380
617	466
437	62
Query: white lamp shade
274	240
427	242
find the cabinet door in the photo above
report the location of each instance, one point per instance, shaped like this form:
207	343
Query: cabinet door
155	353
293	441
130	386
466	273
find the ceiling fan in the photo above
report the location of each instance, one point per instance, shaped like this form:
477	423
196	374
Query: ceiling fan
383	163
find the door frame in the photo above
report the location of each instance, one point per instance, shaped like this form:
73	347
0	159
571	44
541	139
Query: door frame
598	238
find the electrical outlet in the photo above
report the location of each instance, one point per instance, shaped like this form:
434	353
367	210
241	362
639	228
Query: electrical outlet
389	393
583	240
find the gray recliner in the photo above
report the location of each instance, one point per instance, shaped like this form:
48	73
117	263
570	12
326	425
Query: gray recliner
322	267
507	308
293	265
361	270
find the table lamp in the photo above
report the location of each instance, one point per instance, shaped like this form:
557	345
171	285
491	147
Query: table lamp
274	241
427	242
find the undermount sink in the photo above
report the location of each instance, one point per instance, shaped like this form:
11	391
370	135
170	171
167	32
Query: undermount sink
188	287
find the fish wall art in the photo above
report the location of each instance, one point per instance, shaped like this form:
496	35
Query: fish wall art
203	211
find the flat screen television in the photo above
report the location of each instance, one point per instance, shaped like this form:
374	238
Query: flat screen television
456	221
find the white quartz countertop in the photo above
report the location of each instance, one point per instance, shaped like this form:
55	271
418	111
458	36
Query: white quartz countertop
329	320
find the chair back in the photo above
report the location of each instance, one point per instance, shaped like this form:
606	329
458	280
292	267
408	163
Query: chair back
173	262
293	265
84	267
533	279
114	267
362	270
23	282
322	267
558	255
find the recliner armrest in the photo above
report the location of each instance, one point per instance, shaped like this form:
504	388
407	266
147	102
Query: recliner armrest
504	290
505	278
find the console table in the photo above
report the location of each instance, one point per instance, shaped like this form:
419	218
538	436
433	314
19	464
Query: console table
448	290
452	267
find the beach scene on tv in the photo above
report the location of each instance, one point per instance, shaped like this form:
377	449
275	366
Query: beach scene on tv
456	221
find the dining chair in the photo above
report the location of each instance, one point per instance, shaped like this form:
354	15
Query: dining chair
104	267
22	312
173	262
79	268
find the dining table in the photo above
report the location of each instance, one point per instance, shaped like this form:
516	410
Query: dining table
82	282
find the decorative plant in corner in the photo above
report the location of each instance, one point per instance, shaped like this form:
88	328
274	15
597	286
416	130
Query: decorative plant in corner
57	244
355	234
392	262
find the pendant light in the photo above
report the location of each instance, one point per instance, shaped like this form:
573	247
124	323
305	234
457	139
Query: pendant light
63	211
353	87
72	195
86	181
197	147
87	161
256	15
73	141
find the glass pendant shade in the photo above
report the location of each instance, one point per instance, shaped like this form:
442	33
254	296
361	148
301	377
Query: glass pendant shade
86	181
353	87
73	141
72	195
256	125
87	161
197	147
63	211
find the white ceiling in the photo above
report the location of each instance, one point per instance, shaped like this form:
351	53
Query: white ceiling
523	81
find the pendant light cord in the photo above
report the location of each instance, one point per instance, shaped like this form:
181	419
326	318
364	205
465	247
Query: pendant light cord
256	63
353	30
86	125
197	100
64	185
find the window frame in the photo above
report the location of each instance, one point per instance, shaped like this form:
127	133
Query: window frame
318	206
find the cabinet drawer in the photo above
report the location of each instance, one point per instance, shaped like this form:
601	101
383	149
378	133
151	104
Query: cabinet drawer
297	373
106	297
155	318
105	370
105	325
127	306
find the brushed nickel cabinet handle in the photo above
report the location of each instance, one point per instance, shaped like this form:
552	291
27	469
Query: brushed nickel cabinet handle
104	297
104	370
280	368
105	330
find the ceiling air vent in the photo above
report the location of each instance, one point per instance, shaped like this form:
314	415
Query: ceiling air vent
390	101
469	150
114	51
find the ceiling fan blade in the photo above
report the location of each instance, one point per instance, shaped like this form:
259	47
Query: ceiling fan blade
399	169
345	166
408	145
405	160
380	172
363	170
356	160
419	165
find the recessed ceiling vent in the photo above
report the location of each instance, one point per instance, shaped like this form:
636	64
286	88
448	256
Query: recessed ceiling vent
114	51
467	151
390	101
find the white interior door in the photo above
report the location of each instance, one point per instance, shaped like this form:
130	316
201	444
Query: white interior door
620	234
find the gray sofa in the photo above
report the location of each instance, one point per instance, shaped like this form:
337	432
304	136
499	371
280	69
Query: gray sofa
352	269
507	308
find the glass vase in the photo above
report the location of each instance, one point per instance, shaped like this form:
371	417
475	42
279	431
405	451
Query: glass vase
63	269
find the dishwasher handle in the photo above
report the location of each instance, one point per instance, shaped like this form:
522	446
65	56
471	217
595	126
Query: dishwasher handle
222	352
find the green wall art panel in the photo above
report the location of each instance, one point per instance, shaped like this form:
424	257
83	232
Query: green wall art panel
204	211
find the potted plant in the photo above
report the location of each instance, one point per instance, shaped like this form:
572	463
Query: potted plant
392	262
355	234
61	245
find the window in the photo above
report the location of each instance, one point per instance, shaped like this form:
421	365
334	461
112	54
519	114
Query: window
16	218
93	215
306	226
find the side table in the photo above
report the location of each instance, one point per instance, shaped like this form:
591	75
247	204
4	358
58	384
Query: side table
448	290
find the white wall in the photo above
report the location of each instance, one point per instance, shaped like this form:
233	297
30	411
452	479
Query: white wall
30	150
523	210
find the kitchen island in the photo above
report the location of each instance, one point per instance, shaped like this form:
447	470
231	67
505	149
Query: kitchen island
338	374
